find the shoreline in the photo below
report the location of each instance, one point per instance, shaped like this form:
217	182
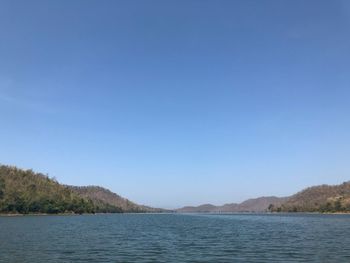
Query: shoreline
184	213
83	214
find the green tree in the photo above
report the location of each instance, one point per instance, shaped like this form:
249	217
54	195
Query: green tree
271	208
337	205
2	188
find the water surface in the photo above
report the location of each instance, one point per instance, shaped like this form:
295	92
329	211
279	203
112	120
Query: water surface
175	238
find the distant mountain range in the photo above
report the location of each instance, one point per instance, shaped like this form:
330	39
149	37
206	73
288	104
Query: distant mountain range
24	191
260	204
323	199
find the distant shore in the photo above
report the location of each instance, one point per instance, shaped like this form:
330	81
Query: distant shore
39	214
213	213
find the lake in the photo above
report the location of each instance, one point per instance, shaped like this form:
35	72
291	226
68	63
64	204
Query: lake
176	238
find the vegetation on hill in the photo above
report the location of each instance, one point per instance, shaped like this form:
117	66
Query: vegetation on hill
101	196
205	208
260	204
323	198
24	191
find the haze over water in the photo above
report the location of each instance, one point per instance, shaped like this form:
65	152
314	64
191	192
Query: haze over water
175	238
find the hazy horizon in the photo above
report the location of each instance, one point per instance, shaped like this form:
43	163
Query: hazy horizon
173	103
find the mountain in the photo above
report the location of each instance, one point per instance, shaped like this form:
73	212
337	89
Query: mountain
101	196
24	191
260	204
197	209
323	198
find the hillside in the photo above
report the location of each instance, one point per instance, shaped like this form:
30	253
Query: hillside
101	196
323	198
260	204
24	191
197	209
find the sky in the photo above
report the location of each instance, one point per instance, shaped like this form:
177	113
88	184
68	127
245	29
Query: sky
173	103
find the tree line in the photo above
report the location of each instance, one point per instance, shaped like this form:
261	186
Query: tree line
24	191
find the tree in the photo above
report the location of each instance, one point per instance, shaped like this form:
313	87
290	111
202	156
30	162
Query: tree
337	205
2	188
271	208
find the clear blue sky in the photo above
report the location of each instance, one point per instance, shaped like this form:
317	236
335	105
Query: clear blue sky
173	103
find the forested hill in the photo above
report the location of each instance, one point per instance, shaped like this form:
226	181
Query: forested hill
24	191
260	204
100	196
323	198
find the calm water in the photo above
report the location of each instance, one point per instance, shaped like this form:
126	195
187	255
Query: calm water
175	238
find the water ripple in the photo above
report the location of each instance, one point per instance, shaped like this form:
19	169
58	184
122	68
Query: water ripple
175	238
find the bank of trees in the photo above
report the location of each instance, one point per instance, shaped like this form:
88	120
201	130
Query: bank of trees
23	191
323	199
